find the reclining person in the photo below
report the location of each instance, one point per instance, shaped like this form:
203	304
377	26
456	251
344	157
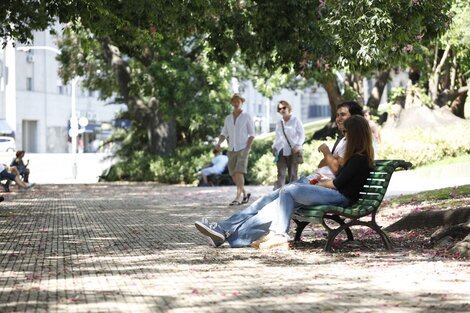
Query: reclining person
216	167
12	173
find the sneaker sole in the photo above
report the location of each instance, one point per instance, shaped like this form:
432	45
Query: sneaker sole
267	245
216	238
283	246
255	244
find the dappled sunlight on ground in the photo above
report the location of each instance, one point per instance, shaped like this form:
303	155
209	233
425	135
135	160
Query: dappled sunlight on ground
133	247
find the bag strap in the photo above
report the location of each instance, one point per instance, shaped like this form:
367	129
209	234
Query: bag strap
282	124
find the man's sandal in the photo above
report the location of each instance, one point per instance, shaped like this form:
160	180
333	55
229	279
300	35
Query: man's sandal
246	199
235	202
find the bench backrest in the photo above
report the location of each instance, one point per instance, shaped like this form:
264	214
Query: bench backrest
377	183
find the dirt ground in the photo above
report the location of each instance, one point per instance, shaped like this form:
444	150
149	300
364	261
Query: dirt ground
134	247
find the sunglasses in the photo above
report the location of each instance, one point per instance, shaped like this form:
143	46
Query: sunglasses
281	109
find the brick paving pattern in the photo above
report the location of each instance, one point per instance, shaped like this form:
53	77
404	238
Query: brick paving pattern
133	248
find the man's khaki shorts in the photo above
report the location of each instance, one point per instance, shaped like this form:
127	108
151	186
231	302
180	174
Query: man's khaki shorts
237	161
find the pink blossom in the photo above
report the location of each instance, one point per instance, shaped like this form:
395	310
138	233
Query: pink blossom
408	48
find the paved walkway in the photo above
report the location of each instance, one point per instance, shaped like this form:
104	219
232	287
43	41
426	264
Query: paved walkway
133	248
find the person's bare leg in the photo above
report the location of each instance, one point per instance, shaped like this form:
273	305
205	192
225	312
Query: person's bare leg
239	180
204	179
20	183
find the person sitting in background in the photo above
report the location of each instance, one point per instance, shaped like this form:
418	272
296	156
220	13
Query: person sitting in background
12	173
216	167
22	168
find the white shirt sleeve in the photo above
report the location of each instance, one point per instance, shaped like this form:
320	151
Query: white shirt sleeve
277	144
299	127
224	129
250	127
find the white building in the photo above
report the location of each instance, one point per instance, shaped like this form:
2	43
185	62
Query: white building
36	105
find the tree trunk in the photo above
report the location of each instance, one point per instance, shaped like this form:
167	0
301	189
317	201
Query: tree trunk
454	228
161	130
358	85
334	95
356	82
376	94
458	105
429	219
436	75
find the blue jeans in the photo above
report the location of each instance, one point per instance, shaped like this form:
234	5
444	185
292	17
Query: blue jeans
269	214
237	227
294	196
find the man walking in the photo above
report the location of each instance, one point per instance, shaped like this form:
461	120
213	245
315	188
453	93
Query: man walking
239	130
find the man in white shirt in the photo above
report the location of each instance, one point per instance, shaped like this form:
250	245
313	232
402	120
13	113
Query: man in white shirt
239	130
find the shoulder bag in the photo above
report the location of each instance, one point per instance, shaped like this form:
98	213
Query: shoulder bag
298	157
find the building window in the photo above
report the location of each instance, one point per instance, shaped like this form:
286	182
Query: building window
318	111
29	83
90	93
60	89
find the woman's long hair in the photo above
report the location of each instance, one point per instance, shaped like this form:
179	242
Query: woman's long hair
359	140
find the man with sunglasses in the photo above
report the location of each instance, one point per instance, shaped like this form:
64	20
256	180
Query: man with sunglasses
218	232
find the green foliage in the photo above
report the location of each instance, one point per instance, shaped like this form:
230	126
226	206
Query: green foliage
397	95
350	94
168	82
422	147
433	195
179	168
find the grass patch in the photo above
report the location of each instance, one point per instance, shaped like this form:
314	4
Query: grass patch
432	195
449	160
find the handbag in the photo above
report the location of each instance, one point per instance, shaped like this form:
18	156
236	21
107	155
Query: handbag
298	157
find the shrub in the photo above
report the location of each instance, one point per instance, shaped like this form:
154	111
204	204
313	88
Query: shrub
418	146
262	169
422	147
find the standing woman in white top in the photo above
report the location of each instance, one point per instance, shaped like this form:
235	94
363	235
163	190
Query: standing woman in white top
284	148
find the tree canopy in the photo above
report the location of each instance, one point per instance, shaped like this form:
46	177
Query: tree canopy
148	45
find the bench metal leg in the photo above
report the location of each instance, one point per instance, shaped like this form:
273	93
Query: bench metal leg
299	229
334	233
340	221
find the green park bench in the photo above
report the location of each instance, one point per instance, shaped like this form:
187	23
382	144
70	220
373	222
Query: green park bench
366	207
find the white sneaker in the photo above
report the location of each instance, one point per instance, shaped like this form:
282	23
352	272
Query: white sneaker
276	241
255	244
